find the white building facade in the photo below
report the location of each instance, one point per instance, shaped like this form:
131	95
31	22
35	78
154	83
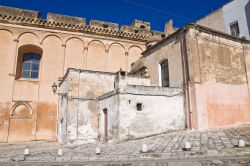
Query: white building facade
233	18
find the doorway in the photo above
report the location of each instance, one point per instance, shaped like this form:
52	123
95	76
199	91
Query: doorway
105	111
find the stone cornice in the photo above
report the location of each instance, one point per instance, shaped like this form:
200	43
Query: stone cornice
37	22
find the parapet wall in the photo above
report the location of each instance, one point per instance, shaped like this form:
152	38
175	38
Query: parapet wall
153	90
138	30
19	12
51	17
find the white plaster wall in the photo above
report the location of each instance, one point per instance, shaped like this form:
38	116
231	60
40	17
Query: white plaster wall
213	20
87	122
236	11
83	114
159	114
62	118
138	81
93	84
112	106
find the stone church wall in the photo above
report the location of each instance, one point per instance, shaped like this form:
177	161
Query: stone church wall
62	42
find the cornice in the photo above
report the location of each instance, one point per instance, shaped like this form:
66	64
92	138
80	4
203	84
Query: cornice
142	36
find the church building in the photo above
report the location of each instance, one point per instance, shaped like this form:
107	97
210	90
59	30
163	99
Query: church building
64	80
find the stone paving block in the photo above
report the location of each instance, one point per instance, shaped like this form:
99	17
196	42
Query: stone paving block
67	158
218	162
166	155
76	158
5	159
32	159
184	163
18	158
47	158
219	147
212	153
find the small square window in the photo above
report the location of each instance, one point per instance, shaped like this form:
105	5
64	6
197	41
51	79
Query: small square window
234	29
139	106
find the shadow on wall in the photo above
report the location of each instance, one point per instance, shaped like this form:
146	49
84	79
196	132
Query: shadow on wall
247	10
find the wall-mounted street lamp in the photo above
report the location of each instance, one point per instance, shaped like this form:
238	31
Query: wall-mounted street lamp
54	88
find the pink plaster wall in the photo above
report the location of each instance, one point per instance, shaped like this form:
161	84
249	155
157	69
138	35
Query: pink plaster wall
220	105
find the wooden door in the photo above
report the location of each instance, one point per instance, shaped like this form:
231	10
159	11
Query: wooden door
105	124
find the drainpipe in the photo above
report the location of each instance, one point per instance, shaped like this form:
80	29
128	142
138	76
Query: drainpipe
245	67
186	80
78	103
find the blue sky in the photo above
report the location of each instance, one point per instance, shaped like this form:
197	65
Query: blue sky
124	11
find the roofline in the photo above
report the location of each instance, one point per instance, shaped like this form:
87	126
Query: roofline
220	8
81	71
200	28
94	72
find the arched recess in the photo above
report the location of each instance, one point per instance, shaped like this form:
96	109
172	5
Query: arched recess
52	63
134	54
49	36
51	71
21	124
22	51
28	38
116	57
21	110
7	55
74	54
96	58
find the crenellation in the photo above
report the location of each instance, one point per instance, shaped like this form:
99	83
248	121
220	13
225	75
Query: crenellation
126	28
66	20
138	30
141	24
156	35
104	24
16	12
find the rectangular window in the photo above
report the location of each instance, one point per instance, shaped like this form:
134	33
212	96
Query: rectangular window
139	106
234	29
31	63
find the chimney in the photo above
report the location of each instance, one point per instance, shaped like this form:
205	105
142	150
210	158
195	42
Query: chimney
169	27
121	81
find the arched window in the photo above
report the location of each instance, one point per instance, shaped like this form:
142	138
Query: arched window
30	66
164	73
28	63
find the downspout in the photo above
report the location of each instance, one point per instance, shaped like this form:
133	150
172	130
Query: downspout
186	80
245	67
78	103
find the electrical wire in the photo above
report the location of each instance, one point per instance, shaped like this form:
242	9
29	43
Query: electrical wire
158	10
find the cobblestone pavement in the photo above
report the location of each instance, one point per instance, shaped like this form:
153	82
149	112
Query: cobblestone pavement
209	146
